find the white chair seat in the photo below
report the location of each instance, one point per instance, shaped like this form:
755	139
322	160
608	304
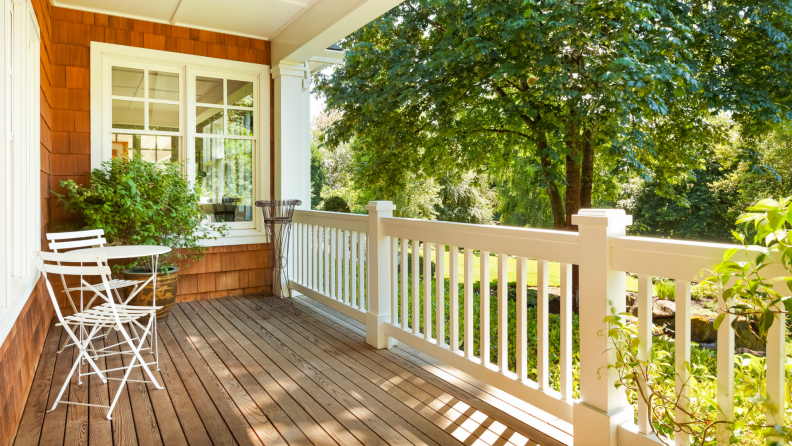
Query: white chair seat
104	314
114	285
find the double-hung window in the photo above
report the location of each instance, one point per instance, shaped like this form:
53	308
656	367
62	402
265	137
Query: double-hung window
20	152
210	114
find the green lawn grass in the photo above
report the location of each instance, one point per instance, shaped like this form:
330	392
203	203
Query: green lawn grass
554	274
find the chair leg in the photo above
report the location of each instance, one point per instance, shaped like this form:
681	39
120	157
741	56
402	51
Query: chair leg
65	384
121	387
136	351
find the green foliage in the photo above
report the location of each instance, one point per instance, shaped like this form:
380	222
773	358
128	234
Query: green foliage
137	202
706	215
746	293
704	290
335	204
665	289
441	86
659	374
318	176
466	198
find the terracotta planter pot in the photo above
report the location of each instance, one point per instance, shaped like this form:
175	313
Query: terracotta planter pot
167	286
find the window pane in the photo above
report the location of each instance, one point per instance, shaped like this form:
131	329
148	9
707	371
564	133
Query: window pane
163	85
128	82
208	90
157	149
209	120
128	114
240	93
163	117
240	122
223	169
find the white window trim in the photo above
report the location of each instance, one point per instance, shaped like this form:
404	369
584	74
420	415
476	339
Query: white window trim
103	54
20	194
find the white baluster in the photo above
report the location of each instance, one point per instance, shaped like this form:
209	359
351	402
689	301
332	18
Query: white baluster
353	242
522	321
503	312
440	295
682	357
346	236
416	302
453	296
331	276
776	360
404	296
427	290
362	282
327	280
725	395
394	280
644	346
565	361
339	262
315	258
484	307
542	324
467	331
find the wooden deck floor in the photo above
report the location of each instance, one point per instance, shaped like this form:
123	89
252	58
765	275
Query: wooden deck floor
234	378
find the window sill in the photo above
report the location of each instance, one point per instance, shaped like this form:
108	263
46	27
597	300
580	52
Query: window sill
18	295
236	237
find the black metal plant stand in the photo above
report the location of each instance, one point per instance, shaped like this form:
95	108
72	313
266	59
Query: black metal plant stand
278	220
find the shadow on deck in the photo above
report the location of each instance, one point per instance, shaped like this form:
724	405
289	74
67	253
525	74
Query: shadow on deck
233	377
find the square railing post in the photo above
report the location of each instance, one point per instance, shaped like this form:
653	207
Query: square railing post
379	276
602	407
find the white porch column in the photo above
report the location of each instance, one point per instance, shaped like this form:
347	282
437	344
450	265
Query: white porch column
379	276
602	407
292	132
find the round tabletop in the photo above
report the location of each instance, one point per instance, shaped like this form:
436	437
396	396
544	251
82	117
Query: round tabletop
126	252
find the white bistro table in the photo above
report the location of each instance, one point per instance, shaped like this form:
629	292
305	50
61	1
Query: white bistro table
133	252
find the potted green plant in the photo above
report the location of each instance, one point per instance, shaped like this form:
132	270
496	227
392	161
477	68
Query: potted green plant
138	202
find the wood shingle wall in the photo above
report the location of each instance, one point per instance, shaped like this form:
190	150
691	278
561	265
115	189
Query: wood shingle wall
65	154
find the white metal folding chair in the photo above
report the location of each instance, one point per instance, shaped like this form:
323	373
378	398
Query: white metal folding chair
63	241
107	315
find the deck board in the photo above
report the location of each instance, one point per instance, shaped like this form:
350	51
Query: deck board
232	377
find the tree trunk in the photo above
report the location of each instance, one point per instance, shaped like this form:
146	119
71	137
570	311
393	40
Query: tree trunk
552	188
573	201
587	177
573	188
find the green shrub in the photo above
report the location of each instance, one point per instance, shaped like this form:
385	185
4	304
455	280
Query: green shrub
704	290
138	202
665	289
335	204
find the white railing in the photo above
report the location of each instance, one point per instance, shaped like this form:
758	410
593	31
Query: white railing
329	260
358	264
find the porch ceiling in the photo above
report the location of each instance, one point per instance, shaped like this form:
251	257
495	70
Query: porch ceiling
261	19
298	29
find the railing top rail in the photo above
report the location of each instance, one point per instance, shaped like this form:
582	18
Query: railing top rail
557	246
677	259
340	220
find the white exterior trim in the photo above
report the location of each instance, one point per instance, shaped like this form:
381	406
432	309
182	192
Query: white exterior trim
20	187
104	54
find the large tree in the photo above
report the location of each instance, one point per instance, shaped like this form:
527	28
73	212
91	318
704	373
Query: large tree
437	86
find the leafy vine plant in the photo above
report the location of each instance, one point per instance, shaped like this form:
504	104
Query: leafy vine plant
765	232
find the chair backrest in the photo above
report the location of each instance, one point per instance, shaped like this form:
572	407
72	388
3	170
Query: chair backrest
73	264
60	241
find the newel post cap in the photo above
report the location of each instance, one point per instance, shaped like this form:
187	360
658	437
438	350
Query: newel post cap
602	217
380	206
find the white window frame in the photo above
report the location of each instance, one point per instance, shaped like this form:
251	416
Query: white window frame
20	151
105	55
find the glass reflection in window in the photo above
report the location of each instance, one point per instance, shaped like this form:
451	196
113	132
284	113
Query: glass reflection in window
224	171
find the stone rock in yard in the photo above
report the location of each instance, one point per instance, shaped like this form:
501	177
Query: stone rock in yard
702	328
663	308
746	339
